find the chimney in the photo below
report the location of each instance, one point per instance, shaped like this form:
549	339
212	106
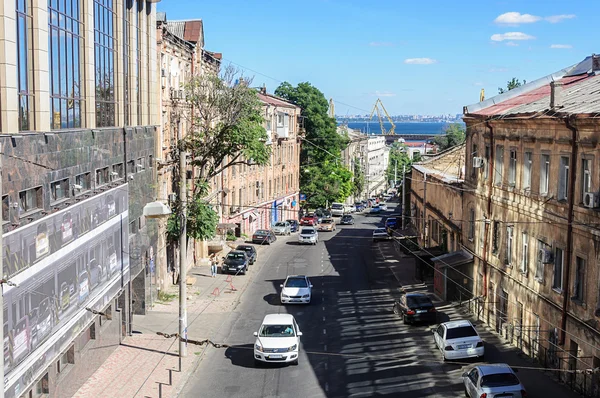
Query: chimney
595	63
263	89
556	95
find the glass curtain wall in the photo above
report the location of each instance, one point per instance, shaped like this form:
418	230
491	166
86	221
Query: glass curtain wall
24	65
104	66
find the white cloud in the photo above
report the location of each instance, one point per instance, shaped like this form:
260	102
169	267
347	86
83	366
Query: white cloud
512	44
511	36
378	93
516	18
498	70
559	18
420	61
478	84
381	44
561	46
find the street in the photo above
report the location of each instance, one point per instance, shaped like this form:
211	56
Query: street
352	344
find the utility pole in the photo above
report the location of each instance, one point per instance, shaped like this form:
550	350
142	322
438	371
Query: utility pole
424	209
403	197
395	173
182	257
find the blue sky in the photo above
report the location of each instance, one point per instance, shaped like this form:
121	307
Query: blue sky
418	57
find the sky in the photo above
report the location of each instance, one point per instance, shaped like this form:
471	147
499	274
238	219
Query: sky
419	57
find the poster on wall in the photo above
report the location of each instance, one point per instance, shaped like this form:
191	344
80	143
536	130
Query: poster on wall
63	267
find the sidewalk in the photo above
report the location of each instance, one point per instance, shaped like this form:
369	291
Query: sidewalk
146	364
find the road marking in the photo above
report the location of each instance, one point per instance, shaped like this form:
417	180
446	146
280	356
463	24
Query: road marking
325	365
323	308
323	319
326	386
325	347
324	331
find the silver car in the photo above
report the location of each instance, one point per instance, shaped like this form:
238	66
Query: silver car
493	380
282	228
380	234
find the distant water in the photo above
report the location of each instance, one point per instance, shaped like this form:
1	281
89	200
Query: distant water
401	128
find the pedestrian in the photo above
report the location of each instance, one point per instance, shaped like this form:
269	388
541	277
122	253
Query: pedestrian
213	265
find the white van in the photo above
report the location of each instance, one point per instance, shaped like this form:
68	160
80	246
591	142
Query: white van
337	209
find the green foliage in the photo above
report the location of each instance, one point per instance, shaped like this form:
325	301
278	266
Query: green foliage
322	178
399	156
513	83
230	236
359	179
202	220
453	135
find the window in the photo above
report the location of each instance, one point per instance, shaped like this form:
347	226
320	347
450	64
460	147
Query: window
563	178
471	224
496	237
512	168
83	180
498	167
24	65
5	209
473	154
88	335
66	359
509	244
130	167
141	164
59	189
65	40
127	6
118	171
102	176
137	20
539	262
586	177
544	174
557	280
141	222
482	227
524	252
527	163
486	166
30	200
104	67
41	388
579	283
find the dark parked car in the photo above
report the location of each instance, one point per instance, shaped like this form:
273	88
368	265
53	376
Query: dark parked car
294	225
235	262
262	236
391	223
347	219
415	307
250	252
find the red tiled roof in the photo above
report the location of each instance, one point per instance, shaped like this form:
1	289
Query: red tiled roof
268	99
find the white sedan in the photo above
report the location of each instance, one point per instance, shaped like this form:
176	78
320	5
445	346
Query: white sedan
380	234
277	340
308	235
493	380
296	289
458	339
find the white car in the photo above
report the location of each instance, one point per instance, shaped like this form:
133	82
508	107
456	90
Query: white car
493	380
277	340
380	234
383	206
458	339
308	235
296	289
282	228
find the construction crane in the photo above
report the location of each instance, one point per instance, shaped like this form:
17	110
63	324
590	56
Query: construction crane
482	95
331	108
376	109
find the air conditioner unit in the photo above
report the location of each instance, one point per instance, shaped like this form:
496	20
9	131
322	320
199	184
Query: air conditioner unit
590	200
478	162
546	256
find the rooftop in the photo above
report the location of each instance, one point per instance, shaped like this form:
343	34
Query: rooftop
274	100
494	368
278	319
457	324
447	166
580	94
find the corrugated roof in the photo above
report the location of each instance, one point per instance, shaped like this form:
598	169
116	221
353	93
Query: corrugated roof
161	16
447	167
580	95
272	100
177	28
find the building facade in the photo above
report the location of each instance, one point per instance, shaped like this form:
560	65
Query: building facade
77	90
255	197
376	155
532	216
181	56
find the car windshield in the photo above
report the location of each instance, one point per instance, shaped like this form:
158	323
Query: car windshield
499	380
291	221
236	256
245	248
327	221
417	301
380	231
307	232
460	332
280	224
261	232
277	331
347	217
337	207
296	282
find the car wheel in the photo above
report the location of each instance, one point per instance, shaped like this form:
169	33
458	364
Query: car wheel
295	362
404	320
396	311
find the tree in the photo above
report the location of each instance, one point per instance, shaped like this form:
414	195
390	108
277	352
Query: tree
226	129
359	179
323	178
454	134
514	83
399	156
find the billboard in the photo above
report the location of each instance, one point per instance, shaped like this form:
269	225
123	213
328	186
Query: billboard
63	265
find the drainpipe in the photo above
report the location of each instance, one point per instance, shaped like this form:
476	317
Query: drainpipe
570	204
487	225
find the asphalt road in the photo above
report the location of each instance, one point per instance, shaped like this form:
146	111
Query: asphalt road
352	344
